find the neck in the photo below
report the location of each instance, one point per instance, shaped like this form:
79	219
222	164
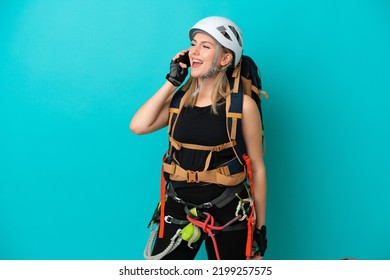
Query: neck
206	87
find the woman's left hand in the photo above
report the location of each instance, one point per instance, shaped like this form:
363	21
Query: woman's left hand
259	242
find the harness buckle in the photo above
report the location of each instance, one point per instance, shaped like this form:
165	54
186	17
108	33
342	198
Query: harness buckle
192	176
206	205
178	199
168	219
220	147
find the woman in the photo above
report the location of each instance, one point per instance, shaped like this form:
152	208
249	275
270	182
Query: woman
216	47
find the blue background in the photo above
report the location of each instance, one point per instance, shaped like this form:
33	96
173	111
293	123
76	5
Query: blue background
75	183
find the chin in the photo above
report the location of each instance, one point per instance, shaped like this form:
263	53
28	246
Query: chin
197	74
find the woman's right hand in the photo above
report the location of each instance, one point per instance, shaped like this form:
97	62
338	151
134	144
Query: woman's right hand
178	68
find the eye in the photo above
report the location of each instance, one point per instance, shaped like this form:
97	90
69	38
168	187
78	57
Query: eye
206	47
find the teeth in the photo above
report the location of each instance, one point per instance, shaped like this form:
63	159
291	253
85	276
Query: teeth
196	61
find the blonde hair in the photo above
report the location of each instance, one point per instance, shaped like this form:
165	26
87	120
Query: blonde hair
220	91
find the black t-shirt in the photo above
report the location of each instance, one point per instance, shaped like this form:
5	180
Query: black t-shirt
199	125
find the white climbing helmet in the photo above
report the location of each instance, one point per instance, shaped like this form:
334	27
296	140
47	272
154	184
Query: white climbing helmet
224	31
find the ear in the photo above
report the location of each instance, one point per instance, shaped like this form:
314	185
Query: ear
226	59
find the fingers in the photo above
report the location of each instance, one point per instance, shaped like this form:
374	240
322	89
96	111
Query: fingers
255	255
183	52
183	65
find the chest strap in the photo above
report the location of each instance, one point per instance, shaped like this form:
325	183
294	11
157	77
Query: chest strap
178	145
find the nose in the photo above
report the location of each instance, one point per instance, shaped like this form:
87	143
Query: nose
194	50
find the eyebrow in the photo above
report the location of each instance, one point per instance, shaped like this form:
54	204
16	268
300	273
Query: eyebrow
202	41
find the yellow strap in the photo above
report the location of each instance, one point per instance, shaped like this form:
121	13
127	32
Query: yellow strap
234	129
246	85
215	176
174	110
208	160
264	93
237	70
170	122
236	75
236	84
234	115
178	145
256	90
174	143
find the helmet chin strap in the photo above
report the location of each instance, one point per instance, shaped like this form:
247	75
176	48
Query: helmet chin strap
214	67
212	70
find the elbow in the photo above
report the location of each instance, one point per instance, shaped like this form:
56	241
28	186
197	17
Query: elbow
136	128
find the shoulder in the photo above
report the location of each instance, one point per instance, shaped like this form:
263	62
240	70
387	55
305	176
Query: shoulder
249	107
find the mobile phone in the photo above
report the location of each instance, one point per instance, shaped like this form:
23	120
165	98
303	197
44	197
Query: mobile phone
184	59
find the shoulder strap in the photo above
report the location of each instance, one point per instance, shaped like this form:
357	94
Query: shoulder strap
245	79
234	113
175	108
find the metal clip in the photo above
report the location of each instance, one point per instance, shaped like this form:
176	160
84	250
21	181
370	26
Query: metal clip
168	219
206	205
240	208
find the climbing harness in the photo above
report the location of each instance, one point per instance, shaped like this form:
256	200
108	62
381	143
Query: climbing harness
196	222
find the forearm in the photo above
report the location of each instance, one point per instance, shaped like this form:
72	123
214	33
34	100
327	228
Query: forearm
260	195
153	114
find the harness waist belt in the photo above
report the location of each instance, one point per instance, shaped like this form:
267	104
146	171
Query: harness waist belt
221	201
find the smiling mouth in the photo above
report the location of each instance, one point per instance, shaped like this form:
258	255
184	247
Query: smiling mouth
196	62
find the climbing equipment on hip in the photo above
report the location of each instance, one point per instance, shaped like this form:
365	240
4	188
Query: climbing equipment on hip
189	233
198	221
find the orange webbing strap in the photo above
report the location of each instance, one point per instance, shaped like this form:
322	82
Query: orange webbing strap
162	201
251	219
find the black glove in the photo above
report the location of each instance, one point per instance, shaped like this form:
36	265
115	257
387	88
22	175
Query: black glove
177	74
260	240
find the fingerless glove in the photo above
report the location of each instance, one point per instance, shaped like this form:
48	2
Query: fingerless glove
260	240
177	74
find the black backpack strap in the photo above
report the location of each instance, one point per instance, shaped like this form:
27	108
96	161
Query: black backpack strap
234	103
175	108
252	86
251	79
